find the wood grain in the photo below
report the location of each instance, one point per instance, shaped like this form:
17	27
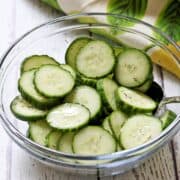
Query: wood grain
18	16
176	153
26	168
172	88
6	38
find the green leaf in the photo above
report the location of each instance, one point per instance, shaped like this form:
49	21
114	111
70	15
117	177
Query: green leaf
169	20
132	8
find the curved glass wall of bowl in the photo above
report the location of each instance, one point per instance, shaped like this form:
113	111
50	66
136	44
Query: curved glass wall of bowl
53	38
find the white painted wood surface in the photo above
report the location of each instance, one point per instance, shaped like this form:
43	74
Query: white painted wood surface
18	16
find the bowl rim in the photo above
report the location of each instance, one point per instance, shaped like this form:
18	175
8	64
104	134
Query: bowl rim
121	154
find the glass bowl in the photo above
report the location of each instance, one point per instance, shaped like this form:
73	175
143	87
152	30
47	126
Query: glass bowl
53	38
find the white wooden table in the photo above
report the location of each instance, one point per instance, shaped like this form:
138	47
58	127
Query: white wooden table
18	16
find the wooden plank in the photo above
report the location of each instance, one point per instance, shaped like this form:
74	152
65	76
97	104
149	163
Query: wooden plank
6	38
176	154
30	14
159	167
172	88
26	168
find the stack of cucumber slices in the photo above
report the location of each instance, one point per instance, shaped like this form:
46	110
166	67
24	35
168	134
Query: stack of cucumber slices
101	101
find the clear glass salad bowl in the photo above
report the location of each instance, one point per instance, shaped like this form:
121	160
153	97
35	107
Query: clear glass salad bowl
53	38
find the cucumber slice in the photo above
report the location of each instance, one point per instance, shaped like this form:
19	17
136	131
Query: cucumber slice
93	140
74	49
107	87
119	148
88	97
65	143
38	131
131	101
110	76
106	125
28	91
95	60
116	121
106	112
28	134
36	61
155	92
167	117
82	80
138	130
68	116
53	81
133	68
144	88
69	69
118	50
25	111
53	139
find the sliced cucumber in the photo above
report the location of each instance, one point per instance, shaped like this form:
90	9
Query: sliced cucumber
110	76
74	49
93	140
53	81
88	97
106	125
28	134
107	87
36	61
25	111
69	69
68	116
82	80
133	68
28	91
118	50
138	130
38	131
119	148
155	92
116	121
95	60
143	88
167	117
65	143
131	101
53	139
106	112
